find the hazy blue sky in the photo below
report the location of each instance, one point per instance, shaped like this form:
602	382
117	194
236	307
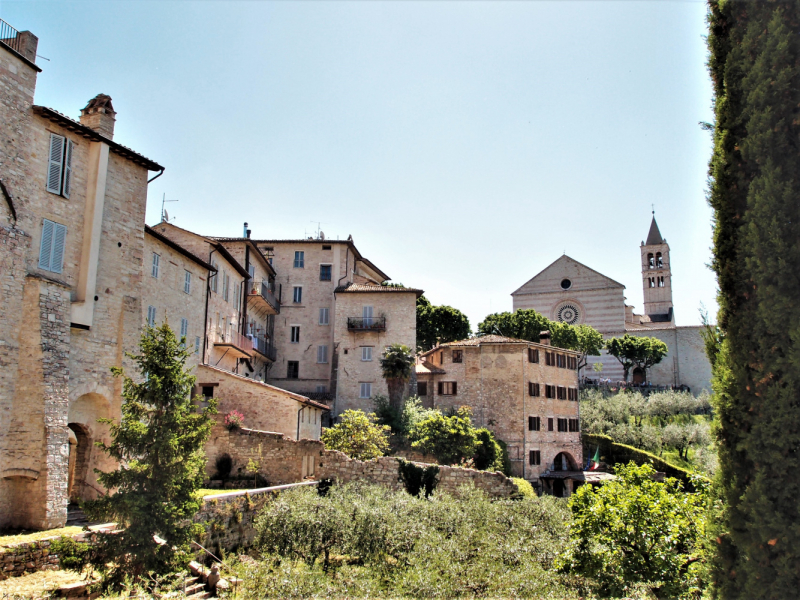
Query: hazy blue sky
464	145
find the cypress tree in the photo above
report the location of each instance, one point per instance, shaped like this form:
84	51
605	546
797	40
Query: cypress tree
754	61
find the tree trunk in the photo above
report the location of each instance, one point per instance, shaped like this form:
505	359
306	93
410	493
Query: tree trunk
397	388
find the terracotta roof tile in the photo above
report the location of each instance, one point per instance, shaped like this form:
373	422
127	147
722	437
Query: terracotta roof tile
381	289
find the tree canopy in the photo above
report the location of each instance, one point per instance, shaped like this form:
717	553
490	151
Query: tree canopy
397	361
358	435
439	325
641	352
754	62
159	444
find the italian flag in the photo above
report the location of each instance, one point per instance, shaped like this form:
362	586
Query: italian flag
594	463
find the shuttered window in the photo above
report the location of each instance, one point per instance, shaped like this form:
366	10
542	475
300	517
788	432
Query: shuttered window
226	284
534	423
59	165
458	356
292	369
151	316
366	353
533	355
325	272
51	249
156	265
549	391
299	259
562	425
549	359
322	354
365	391
297	294
197	345
184	331
574	425
422	388
214	278
561	393
448	388
535	458
533	389
295	334
187	282
323	316
550	424
572	394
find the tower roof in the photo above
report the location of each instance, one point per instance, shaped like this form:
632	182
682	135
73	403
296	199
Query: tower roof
654	237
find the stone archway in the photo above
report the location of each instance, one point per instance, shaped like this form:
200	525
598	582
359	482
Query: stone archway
564	462
84	456
639	376
79	452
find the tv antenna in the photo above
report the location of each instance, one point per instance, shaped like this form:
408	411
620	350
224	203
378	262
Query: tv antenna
320	234
164	215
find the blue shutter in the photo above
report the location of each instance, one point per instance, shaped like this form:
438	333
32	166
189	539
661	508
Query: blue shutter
67	170
46	247
59	240
55	165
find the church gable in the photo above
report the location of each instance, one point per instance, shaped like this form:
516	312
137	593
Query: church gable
567	274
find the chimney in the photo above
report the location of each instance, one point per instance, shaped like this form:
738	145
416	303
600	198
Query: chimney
248	233
245	229
544	338
26	44
99	115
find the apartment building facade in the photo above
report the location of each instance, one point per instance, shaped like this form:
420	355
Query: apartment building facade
71	247
336	319
525	393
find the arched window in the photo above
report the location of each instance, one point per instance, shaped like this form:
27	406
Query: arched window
652	281
661	281
659	260
650	261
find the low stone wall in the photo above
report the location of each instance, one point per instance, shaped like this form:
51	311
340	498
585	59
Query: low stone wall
29	557
384	471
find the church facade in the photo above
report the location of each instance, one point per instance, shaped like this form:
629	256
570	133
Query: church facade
569	291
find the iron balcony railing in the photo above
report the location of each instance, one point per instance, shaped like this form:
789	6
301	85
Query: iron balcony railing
236	339
10	37
366	323
265	347
266	291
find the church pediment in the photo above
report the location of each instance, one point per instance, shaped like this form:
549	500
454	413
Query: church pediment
567	274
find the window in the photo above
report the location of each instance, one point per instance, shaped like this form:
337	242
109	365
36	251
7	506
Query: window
366	315
366	353
208	391
448	388
156	262
323	316
572	362
324	272
187	282
534	423
197	345
549	391
651	263
321	389
661	281
458	356
299	259
366	390
422	388
561	393
236	299
226	286
562	425
652	282
295	334
659	260
326	247
550	424
297	294
322	354
533	355
292	369
184	331
59	165
51	250
561	361
549	359
151	316
533	389
574	425
214	277
535	458
572	394
251	270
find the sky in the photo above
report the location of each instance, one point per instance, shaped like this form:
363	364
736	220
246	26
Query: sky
464	145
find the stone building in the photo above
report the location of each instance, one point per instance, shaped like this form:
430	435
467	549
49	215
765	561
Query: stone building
525	393
574	293
71	247
336	319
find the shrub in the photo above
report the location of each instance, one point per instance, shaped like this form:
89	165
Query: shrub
451	439
357	435
234	420
488	454
72	555
416	478
525	488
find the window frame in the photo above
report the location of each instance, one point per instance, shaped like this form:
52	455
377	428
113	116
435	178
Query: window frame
533	355
324	311
534	423
54	234
187	282
448	385
293	369
458	356
422	388
361	389
563	425
151	316
322	353
294	334
366	353
299	259
297	294
155	266
535	458
534	389
329	266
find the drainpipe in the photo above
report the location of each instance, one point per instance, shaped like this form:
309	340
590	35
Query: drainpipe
524	412
205	319
160	173
298	422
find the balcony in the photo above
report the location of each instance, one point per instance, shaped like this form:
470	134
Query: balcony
366	323
264	347
234	343
262	295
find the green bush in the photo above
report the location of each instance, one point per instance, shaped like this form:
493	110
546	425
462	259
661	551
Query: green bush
416	478
525	488
72	555
357	435
367	541
489	454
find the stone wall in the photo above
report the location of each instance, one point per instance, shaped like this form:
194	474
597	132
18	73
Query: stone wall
29	557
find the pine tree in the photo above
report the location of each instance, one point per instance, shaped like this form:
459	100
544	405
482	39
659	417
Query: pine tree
755	193
159	446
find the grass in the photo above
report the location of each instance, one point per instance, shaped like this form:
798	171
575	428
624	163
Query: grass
34	536
37	585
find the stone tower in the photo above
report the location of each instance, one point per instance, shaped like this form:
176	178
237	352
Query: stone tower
657	277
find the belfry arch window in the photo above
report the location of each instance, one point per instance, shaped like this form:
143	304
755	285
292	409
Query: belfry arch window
661	281
652	281
659	260
651	264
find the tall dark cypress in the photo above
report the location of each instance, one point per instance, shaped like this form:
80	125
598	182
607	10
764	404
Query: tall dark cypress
755	193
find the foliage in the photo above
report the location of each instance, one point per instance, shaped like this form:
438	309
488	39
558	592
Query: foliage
224	465
635	530
159	447
590	343
451	439
631	350
357	435
397	361
368	541
416	478
400	421
488	454
683	437
72	555
712	335
525	488
439	325
234	420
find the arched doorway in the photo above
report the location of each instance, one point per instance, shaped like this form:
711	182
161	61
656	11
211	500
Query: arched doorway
79	451
564	462
84	456
638	376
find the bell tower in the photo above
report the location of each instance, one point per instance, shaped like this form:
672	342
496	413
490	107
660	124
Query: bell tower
657	277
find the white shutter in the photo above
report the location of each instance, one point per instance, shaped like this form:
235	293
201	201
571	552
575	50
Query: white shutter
46	248
67	169
322	354
59	240
55	165
366	313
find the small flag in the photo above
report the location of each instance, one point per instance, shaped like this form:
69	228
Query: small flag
595	462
